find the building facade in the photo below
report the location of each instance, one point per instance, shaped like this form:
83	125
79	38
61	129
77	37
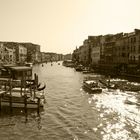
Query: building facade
21	54
121	51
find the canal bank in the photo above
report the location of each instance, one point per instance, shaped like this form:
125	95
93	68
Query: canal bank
131	73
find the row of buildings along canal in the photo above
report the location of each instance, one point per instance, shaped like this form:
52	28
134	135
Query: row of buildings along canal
19	53
118	53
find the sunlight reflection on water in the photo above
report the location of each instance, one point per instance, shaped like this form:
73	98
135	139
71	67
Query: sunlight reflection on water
118	118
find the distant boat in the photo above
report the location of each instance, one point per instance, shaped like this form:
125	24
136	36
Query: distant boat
86	70
79	68
68	63
92	86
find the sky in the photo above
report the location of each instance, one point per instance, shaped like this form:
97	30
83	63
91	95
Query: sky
62	25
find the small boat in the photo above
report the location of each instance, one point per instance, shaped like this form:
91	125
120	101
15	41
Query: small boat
86	70
92	86
131	102
79	68
68	63
40	88
108	84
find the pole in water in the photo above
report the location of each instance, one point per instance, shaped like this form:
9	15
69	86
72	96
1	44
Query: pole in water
10	97
109	80
38	108
25	103
0	102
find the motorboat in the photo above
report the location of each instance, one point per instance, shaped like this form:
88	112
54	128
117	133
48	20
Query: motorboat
79	68
86	70
68	63
92	86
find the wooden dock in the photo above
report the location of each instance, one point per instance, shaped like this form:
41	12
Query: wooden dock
20	91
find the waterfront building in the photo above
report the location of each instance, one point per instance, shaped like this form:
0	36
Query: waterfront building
21	54
48	57
43	57
75	55
84	53
108	50
53	57
134	46
81	54
36	57
33	52
121	52
10	55
2	53
95	46
109	45
7	53
113	51
60	57
68	56
87	52
102	50
128	50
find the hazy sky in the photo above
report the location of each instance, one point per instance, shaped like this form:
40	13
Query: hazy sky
61	25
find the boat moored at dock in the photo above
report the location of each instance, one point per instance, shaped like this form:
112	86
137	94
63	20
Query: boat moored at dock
20	90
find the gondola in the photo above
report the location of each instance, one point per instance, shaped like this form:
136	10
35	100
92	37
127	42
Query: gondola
41	88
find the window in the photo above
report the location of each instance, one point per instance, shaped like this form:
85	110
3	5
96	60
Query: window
134	48
134	58
128	55
123	55
128	48
131	40
131	58
134	39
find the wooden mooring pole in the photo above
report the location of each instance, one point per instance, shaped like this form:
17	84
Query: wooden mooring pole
0	102
25	103
31	90
38	106
10	97
5	86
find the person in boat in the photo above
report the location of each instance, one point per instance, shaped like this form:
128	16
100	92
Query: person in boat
93	85
109	81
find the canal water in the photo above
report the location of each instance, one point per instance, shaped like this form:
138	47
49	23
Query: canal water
70	113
